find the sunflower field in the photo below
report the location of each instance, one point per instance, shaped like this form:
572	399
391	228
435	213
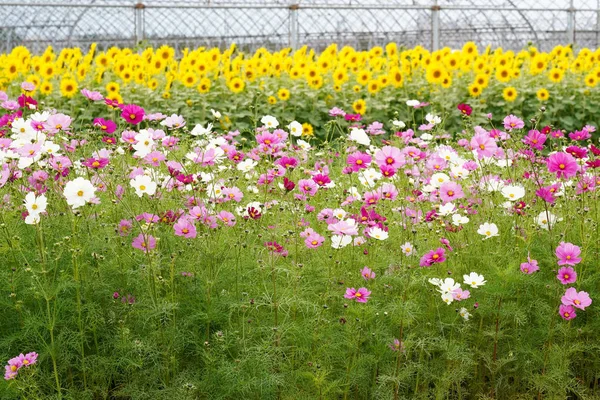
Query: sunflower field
384	224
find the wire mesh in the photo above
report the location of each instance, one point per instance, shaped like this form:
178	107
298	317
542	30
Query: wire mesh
275	24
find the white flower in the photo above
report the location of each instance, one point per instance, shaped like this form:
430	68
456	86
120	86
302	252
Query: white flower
23	128
458	219
199	130
398	124
438	179
513	192
488	230
359	136
412	103
303	145
339	241
78	192
369	176
433	119
464	313
435	281
295	128
378	233
246	165
546	219
144	144
32	219
269	121
448	286
143	184
35	205
339	213
447	209
447	297
474	280
426	137
215	114
408	249
359	240
50	148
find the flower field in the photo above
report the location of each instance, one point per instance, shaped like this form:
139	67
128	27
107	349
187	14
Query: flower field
390	224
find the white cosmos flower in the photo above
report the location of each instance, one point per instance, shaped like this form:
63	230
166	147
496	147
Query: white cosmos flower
269	121
369	176
435	281
408	249
339	213
474	280
412	103
447	209
448	286
464	313
433	119
32	219
488	230
144	144
359	136
303	145
458	219
35	205
378	233
398	124
438	179
215	114
546	219
340	241
513	192
447	297
143	184
78	192
199	130
295	128
246	165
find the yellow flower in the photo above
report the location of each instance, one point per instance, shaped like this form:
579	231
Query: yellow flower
509	94
359	106
283	94
475	90
373	86
68	87
591	80
503	74
46	88
271	100
356	88
543	94
556	75
189	79
153	84
204	85
112	87
435	73
236	85
307	130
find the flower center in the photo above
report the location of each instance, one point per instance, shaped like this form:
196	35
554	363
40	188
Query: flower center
561	166
80	193
131	116
142	187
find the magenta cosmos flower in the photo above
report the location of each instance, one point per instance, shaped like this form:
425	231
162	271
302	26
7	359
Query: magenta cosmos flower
358	160
185	228
530	266
361	295
465	109
568	254
434	256
567	312
133	114
563	164
566	275
576	299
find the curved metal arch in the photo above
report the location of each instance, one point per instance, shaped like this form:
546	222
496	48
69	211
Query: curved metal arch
76	22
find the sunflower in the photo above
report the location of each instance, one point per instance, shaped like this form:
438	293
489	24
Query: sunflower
283	94
509	94
165	52
373	86
204	85
475	90
112	87
363	77
435	73
189	79
272	100
68	87
503	74
48	70
396	77
153	84
307	130
591	80
542	94
46	88
236	85
359	106
356	88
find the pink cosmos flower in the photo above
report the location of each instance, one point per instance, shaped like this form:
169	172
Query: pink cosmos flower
93	96
96	163
105	125
308	186
125	227
535	139
566	275
397	345
563	164
530	266
450	191
511	122
568	254
390	156
226	217
567	312
434	256
358	160
133	114
576	299
144	244
361	295
336	112
347	227
460	295
314	240
484	145
57	122
185	228
367	274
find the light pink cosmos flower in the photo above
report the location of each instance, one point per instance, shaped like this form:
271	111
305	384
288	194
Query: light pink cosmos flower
361	295
573	298
390	156
450	191
346	227
93	96
484	145
308	186
367	273
568	254
511	122
314	240
226	217
184	227
144	244
459	294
